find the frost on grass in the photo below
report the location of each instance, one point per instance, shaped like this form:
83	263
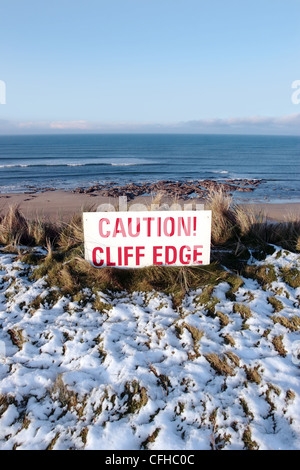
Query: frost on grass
94	370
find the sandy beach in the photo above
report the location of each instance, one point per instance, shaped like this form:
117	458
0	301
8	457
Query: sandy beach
62	205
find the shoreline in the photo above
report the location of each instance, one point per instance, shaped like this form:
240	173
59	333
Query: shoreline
61	205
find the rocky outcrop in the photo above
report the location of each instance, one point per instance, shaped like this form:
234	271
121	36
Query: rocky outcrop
180	189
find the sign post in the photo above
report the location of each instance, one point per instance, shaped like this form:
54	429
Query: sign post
146	238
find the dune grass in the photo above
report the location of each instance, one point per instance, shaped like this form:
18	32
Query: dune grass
234	230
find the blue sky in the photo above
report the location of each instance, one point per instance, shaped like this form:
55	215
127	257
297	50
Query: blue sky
149	65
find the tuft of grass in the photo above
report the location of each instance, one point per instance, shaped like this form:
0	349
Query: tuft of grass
224	319
246	409
292	324
100	306
232	223
243	310
205	296
162	379
253	375
136	397
5	402
220	365
235	283
48	300
290	396
223	217
291	276
71	234
196	335
247	440
276	304
53	441
229	340
264	274
83	434
13	228
68	399
101	350
272	389
278	345
150	439
17	337
194	331
233	358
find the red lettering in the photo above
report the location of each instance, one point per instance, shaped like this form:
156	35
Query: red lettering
102	234
138	227
156	255
172	231
159	226
196	253
169	249
195	225
149	220
185	258
94	257
185	226
108	260
119	228
127	254
119	255
138	254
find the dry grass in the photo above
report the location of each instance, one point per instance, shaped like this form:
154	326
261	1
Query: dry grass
278	345
65	267
17	337
223	217
291	276
136	397
243	310
253	375
220	365
150	439
71	234
264	274
292	324
13	227
247	439
224	319
236	224
229	340
276	304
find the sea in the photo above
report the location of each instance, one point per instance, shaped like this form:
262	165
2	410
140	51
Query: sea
36	162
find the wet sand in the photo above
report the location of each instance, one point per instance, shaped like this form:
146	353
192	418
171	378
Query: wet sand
53	205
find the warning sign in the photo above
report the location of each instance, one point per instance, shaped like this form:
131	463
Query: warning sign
138	239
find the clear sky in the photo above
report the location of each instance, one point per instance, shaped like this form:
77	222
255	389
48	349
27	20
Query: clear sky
149	64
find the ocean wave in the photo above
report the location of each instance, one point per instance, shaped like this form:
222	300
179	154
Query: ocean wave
72	164
125	164
13	166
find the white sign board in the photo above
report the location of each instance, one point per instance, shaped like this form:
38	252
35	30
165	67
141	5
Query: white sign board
138	239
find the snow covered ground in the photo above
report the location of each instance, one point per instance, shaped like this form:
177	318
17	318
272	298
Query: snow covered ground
143	375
